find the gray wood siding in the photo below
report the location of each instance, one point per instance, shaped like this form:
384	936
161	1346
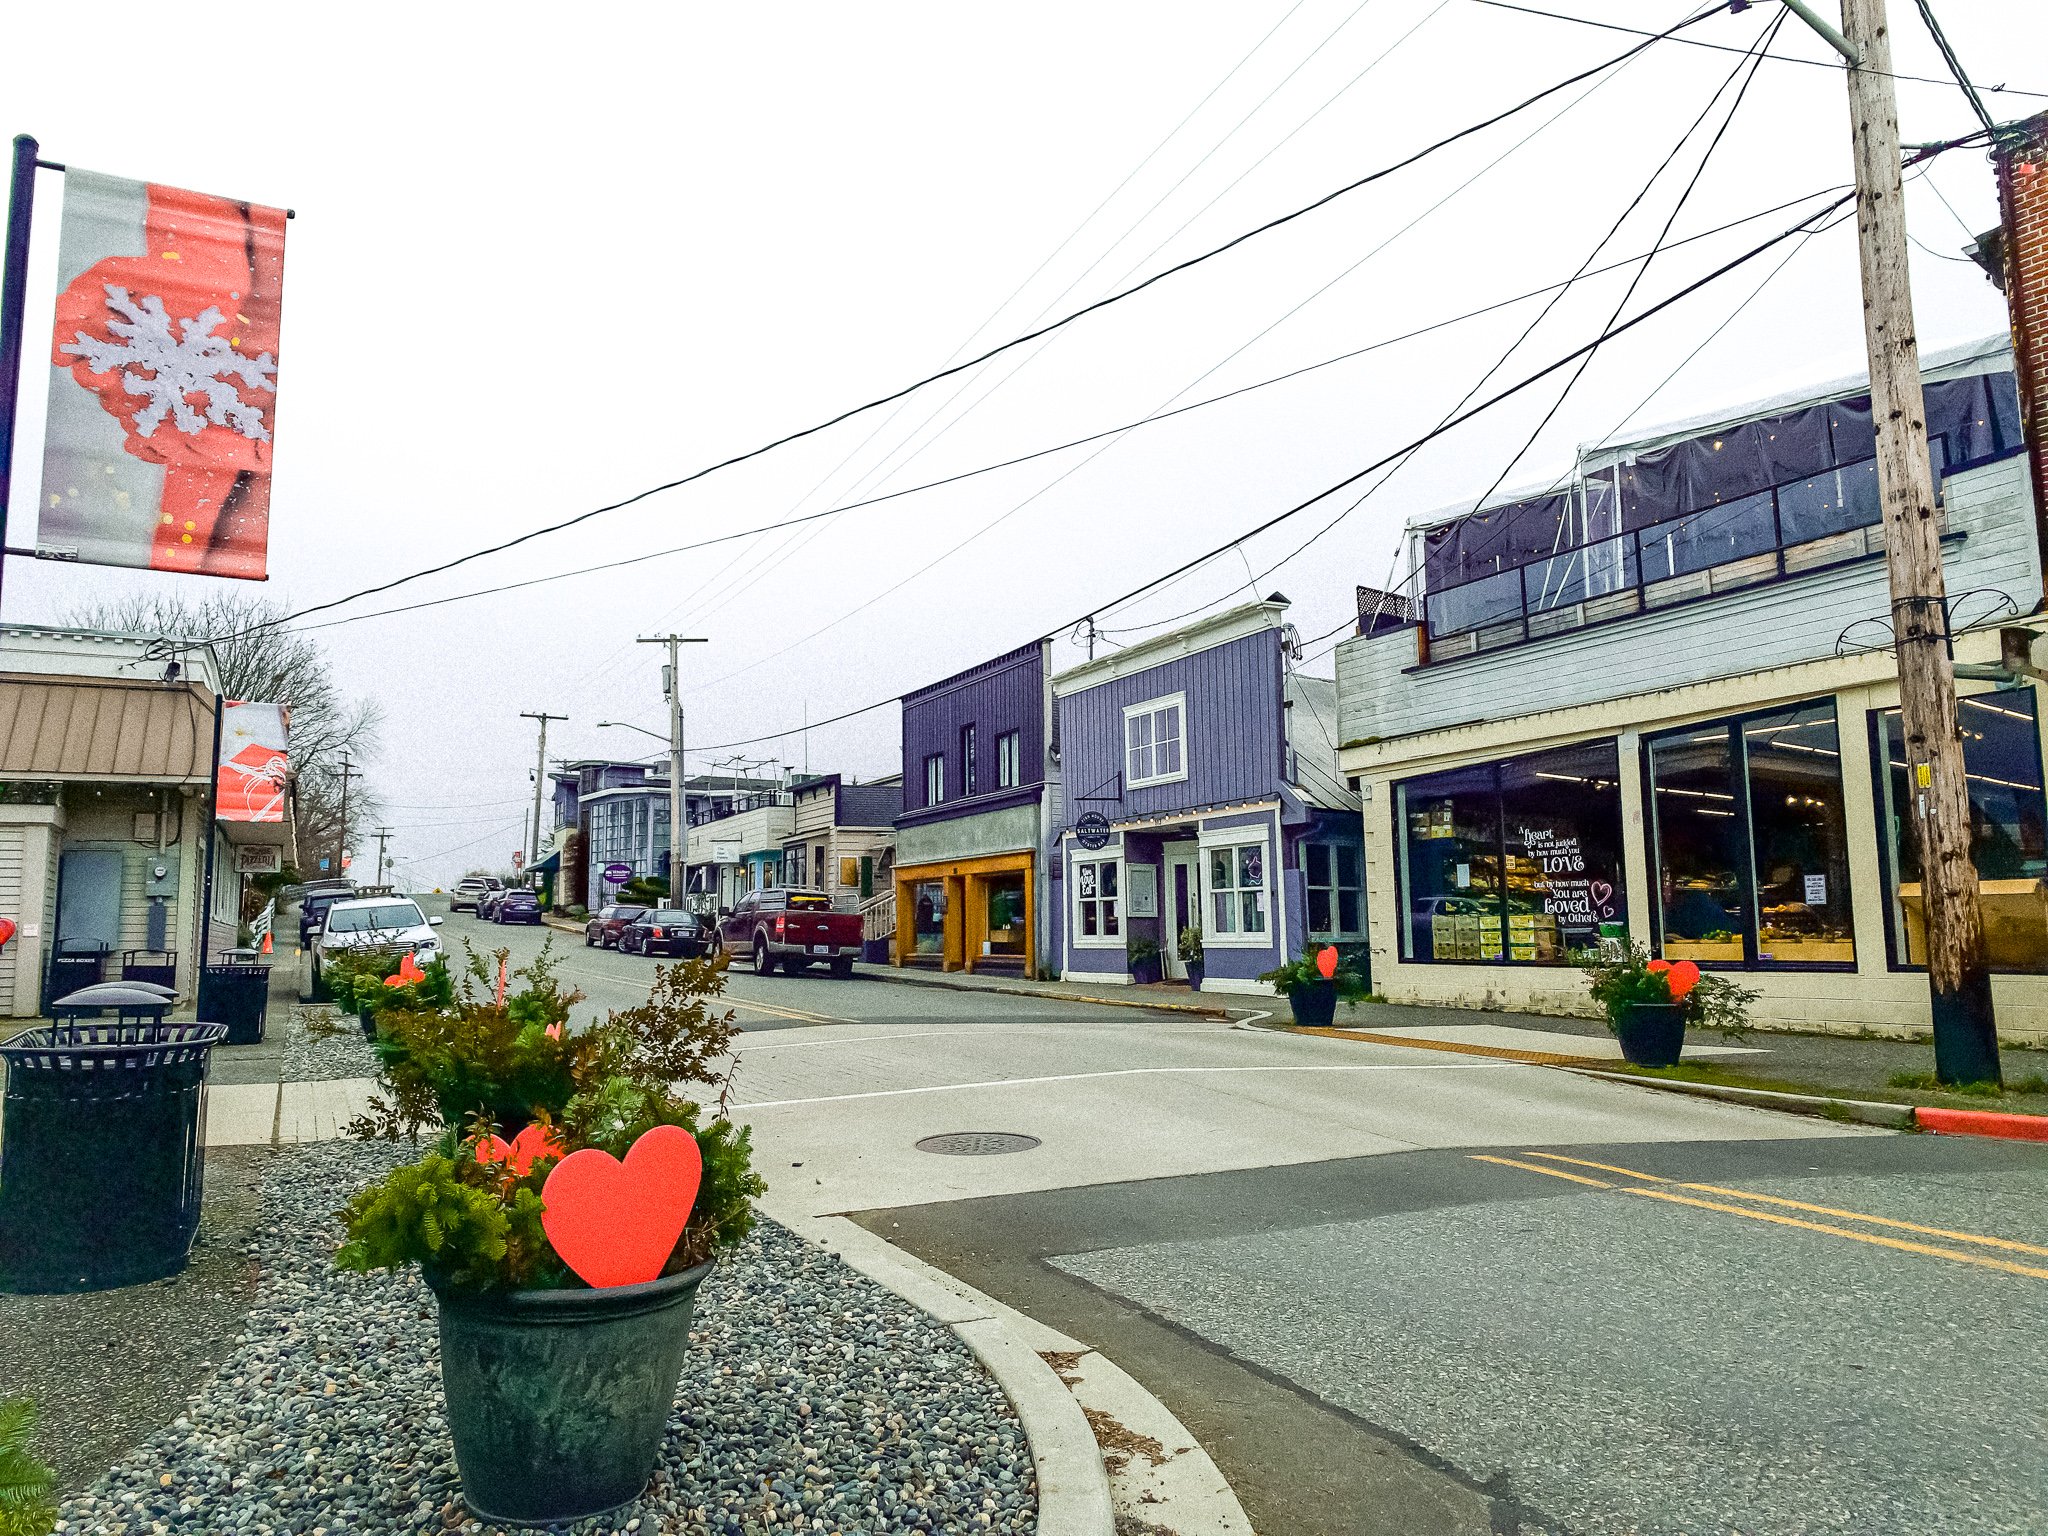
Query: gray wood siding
1234	742
1381	695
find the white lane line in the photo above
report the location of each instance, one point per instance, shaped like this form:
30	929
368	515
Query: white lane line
1048	1028
1077	1077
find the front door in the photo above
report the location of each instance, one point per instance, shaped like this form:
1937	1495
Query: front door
1180	904
89	896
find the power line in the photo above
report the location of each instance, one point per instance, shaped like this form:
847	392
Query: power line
1955	67
1070	443
1211	254
1280	517
1779	58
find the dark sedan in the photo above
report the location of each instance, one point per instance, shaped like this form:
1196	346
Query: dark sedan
517	905
663	931
603	930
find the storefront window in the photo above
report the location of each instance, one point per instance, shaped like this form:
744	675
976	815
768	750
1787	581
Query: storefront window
1006	933
1237	890
1518	861
928	917
1334	876
2008	832
1751	847
1095	899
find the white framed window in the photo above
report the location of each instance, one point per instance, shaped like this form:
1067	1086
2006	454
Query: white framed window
1334	875
1234	881
935	778
1098	903
1155	741
1009	760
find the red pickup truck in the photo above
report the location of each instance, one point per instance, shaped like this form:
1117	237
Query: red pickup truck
791	929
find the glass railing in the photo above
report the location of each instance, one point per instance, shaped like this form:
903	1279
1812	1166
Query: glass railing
1800	526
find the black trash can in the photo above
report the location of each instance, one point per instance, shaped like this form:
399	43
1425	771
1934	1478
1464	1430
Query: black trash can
157	966
74	963
236	992
102	1151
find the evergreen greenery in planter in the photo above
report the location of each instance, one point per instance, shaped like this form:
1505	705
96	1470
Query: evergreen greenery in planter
28	1504
534	1360
1649	1003
1190	947
1142	956
1311	993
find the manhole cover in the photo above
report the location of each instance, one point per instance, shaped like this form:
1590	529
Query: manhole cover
977	1143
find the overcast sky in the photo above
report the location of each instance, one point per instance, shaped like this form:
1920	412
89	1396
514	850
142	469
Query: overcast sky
540	264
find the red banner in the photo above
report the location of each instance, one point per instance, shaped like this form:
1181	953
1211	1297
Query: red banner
255	752
163	386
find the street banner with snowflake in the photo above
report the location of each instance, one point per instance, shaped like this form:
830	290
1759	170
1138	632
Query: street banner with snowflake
163	384
250	780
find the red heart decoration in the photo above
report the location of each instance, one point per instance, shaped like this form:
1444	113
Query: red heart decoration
6	930
522	1152
615	1223
1683	977
1658	967
1326	962
408	973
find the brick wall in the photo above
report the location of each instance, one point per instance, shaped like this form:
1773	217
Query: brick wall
2022	162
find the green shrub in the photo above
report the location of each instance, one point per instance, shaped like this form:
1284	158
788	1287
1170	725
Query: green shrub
1619	982
474	1067
1305	973
28	1505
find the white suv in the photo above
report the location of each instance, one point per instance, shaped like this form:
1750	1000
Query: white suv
377	922
471	890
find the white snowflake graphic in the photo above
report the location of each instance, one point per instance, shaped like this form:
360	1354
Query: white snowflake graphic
168	368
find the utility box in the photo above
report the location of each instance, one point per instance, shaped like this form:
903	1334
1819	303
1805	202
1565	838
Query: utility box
160	875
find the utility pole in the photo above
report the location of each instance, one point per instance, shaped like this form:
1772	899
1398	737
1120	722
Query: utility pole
678	825
382	834
1965	1030
540	781
341	834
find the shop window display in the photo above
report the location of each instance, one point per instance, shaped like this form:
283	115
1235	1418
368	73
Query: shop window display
2008	832
1750	842
928	920
1517	862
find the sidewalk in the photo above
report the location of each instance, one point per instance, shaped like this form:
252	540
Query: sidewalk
1165	996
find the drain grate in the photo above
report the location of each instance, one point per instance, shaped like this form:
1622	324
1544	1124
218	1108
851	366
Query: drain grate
977	1143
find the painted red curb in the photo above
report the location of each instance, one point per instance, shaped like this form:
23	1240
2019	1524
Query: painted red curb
1982	1122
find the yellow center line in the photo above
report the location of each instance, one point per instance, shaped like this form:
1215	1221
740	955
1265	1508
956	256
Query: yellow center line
1580	1162
1882	1221
1555	1173
787	1013
1860	1237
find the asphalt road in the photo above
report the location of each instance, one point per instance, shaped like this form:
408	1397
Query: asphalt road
1399	1293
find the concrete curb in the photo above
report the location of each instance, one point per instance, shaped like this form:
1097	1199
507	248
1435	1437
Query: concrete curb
1073	1487
915	979
1897	1117
1982	1122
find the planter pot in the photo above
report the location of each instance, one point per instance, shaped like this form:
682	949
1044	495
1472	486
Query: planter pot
1315	1003
558	1400
1195	973
1145	972
1653	1034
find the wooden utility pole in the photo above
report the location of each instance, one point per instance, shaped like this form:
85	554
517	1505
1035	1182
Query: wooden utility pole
348	771
678	802
540	782
1965	1031
383	836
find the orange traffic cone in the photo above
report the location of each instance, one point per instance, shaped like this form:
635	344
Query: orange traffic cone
266	941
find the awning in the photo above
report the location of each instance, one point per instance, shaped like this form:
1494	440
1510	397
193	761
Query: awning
550	865
105	731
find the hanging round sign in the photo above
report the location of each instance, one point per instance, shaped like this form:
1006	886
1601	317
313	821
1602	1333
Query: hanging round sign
618	874
1092	830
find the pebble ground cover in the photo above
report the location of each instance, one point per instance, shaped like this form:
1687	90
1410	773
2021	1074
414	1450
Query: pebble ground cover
812	1400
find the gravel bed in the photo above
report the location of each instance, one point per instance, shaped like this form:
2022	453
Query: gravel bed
812	1400
324	1046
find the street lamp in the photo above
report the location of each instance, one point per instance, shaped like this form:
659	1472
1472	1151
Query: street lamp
627	725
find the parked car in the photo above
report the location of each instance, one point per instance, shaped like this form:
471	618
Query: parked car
662	931
471	890
792	929
517	905
602	931
487	903
313	905
377	922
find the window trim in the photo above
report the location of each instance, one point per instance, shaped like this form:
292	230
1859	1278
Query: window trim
935	782
1749	964
1152	707
1075	937
1009	759
967	754
1208	841
1336	888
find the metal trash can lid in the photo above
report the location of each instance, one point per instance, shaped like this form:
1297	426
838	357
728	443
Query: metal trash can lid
119	994
240	956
